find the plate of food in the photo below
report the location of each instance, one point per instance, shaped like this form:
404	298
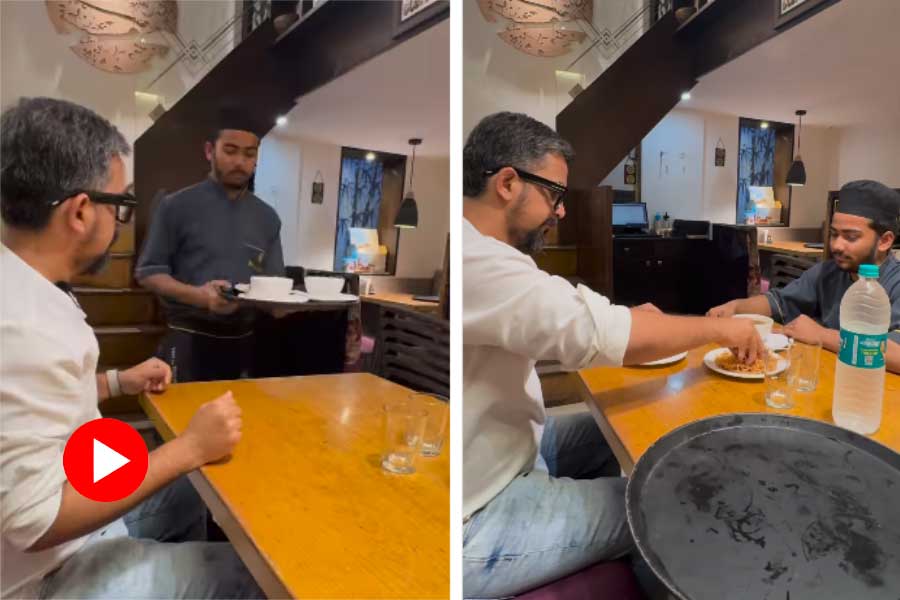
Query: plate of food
722	361
665	361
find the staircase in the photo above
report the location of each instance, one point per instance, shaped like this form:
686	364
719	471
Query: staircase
632	95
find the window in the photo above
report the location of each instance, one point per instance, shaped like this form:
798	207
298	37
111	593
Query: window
371	190
765	153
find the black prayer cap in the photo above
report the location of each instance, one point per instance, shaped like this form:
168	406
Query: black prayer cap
869	199
237	117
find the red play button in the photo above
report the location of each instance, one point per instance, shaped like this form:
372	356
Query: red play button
105	460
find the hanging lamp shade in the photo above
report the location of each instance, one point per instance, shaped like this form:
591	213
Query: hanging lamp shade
408	215
797	173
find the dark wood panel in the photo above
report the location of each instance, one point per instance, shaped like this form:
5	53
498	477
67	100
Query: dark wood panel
595	250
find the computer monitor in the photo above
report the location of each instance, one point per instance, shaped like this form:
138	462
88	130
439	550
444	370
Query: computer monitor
632	215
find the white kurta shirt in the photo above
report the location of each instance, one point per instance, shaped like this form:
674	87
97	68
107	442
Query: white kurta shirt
513	315
48	388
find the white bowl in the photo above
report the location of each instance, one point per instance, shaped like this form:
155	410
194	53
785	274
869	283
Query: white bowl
762	323
328	286
271	287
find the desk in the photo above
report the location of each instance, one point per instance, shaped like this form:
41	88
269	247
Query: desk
304	500
793	249
634	407
395	300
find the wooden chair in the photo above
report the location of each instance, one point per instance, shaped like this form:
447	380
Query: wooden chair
786	269
413	349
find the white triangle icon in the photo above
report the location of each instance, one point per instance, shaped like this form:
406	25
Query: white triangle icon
106	460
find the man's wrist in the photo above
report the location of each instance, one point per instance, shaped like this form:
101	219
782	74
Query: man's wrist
113	383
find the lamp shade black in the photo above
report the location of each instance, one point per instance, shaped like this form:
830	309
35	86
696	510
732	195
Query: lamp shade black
797	174
408	215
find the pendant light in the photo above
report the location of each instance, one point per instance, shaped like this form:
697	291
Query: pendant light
797	174
408	215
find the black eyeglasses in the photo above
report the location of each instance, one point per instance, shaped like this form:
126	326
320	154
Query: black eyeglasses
124	203
558	191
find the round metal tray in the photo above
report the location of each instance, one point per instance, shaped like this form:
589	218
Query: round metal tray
763	506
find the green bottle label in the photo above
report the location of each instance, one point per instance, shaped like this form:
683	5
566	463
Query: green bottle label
862	350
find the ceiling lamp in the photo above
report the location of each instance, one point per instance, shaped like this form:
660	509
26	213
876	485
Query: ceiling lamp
797	174
408	215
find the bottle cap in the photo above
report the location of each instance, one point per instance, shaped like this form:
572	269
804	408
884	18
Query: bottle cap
868	270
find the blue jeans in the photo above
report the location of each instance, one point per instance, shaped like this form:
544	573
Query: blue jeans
546	525
163	556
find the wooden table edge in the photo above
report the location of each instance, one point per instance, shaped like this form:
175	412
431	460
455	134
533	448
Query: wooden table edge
254	559
626	461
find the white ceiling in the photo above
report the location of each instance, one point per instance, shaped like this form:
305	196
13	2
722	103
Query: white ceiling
381	104
841	65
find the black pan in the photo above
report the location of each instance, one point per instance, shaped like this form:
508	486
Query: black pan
762	506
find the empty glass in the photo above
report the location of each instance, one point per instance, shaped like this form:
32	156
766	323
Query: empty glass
805	365
438	410
404	425
779	379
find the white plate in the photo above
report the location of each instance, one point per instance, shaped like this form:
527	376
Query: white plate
333	297
665	361
710	361
295	297
777	341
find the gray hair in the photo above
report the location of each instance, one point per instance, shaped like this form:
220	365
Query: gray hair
507	139
48	148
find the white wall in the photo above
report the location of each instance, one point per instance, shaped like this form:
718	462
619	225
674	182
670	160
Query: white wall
312	245
278	182
671	170
36	61
688	185
870	152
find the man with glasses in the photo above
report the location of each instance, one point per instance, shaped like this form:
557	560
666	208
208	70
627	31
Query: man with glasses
541	496
61	195
204	239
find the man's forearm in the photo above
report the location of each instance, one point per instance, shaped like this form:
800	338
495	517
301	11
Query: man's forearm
79	516
166	285
757	305
647	342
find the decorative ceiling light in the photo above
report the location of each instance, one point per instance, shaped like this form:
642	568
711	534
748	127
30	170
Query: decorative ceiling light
408	215
764	125
797	174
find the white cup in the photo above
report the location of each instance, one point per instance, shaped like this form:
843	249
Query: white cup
271	287
762	323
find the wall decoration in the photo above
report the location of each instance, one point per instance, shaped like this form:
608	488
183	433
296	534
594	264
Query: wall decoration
720	153
790	10
630	173
359	201
412	13
756	164
544	28
114	32
318	188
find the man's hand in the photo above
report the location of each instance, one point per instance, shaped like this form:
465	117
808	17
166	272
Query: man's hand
648	307
723	310
213	300
152	375
213	431
805	330
741	337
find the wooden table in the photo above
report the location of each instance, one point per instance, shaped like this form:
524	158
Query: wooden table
634	407
303	498
792	248
402	301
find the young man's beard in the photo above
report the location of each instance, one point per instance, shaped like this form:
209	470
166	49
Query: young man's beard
221	178
871	258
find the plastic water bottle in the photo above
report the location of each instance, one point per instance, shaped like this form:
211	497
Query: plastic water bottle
657	224
859	371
